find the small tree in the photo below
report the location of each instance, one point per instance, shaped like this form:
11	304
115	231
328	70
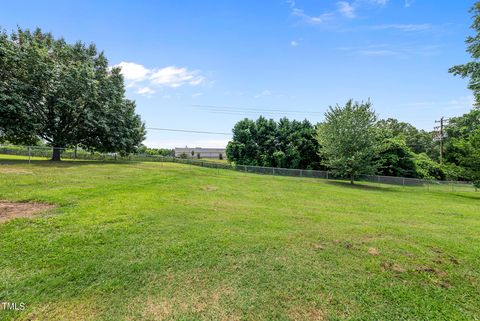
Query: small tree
348	139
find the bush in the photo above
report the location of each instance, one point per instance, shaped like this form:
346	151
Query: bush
476	184
427	168
455	173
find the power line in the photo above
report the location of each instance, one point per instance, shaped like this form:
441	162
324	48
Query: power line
239	110
189	131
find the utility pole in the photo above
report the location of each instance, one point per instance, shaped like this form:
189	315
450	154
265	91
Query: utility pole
440	134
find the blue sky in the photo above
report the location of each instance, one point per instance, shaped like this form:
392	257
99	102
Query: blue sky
275	57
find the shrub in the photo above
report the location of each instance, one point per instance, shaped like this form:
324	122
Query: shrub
427	168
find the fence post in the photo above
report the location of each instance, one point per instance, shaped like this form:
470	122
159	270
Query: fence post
301	173
28	154
75	153
327	174
403	181
273	171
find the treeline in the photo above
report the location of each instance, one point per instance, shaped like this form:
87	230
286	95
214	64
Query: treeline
403	150
265	142
462	146
165	152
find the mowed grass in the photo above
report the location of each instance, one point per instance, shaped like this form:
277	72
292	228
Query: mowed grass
163	241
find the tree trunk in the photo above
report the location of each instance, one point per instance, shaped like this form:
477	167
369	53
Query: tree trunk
351	178
56	154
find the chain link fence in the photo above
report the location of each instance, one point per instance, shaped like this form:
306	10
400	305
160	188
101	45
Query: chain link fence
41	152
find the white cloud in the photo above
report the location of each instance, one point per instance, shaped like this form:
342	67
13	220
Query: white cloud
398	50
172	76
145	91
142	79
378	52
294	43
462	102
132	71
346	9
314	20
404	27
408	3
197	95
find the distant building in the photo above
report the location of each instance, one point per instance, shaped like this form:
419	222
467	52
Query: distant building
198	152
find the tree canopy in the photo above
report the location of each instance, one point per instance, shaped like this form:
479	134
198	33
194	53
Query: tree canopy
63	94
265	142
348	139
418	141
472	69
463	133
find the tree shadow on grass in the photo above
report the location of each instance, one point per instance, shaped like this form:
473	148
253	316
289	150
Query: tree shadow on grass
360	186
469	196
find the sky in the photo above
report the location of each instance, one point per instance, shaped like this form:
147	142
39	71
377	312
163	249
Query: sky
204	65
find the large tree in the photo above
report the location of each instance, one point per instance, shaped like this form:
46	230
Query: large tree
472	69
64	94
348	139
463	133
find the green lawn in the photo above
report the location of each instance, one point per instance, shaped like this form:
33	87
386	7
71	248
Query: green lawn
154	241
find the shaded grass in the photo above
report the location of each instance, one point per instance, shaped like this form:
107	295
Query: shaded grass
152	241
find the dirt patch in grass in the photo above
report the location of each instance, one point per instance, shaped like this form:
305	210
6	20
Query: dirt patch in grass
204	305
209	188
52	311
313	314
389	266
12	210
373	251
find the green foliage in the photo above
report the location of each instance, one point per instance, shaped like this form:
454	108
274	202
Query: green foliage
418	141
166	152
462	145
463	133
427	168
64	94
454	172
471	69
396	159
264	142
348	139
476	183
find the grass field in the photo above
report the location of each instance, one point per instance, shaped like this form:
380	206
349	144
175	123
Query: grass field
154	241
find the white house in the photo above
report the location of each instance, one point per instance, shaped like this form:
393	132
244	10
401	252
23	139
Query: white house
198	152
